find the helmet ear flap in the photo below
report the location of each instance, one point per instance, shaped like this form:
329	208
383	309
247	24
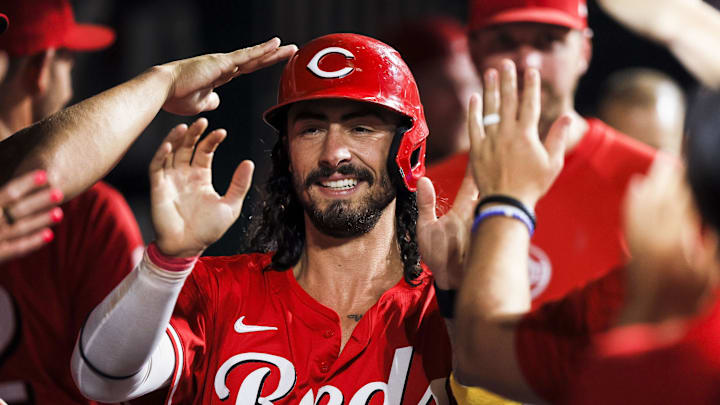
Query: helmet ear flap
402	159
396	173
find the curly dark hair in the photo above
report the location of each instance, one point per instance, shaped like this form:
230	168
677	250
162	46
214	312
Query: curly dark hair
279	221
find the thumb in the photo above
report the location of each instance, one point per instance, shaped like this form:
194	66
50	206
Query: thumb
556	139
467	195
425	202
210	102
239	186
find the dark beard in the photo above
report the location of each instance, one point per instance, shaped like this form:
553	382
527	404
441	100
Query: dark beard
339	219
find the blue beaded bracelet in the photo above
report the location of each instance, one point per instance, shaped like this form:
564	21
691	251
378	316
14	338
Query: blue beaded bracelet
506	211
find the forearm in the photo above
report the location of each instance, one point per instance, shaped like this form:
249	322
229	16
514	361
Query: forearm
495	294
80	144
112	358
694	43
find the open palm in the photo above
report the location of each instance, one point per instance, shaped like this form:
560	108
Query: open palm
188	214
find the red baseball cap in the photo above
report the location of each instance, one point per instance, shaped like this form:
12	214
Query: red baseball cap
566	13
3	23
43	24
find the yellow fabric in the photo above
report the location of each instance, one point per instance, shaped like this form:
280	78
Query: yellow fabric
475	396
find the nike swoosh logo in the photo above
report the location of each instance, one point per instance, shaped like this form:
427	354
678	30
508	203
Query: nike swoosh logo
240	327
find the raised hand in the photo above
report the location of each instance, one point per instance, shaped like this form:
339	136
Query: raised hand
443	242
506	153
652	18
29	208
195	79
672	268
188	214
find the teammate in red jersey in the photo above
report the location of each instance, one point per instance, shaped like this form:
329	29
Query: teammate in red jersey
40	313
557	353
342	311
580	237
47	294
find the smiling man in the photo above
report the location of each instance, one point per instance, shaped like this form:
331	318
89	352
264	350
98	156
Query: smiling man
580	238
336	307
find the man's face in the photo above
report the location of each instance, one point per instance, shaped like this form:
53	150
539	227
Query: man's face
445	88
338	153
560	54
59	90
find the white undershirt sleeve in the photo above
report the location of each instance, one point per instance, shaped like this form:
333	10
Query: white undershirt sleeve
123	351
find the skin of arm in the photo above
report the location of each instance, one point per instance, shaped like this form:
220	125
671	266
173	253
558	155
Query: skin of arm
509	159
181	181
690	29
80	144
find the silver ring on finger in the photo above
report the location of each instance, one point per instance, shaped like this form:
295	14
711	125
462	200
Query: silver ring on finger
8	216
491	119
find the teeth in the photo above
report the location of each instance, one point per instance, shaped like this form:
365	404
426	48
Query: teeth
343	184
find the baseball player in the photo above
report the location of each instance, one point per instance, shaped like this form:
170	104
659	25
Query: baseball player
46	295
340	310
26	216
436	50
556	353
581	236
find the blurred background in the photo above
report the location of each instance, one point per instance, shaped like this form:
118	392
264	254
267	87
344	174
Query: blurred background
156	31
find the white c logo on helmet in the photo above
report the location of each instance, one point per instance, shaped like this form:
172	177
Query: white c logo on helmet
313	64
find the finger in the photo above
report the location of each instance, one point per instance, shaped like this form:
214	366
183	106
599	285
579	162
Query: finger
556	140
476	130
41	200
491	99
662	168
187	142
157	164
206	148
211	102
632	192
175	143
239	186
18	187
33	223
426	201
243	56
530	108
280	54
25	245
508	93
467	196
158	161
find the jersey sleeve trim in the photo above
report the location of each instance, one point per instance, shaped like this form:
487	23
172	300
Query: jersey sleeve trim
179	359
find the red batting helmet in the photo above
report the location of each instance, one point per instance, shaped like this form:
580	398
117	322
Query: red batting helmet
356	67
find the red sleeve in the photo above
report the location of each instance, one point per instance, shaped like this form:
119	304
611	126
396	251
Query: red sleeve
100	244
189	331
551	342
646	364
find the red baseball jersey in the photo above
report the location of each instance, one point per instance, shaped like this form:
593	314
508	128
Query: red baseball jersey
46	295
579	229
567	355
631	365
245	335
552	342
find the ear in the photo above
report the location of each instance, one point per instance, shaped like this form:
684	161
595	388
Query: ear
708	253
4	64
586	50
37	71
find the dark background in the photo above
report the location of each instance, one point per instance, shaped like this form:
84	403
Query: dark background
154	32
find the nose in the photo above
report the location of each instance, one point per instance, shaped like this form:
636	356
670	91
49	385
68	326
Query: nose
527	57
335	150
